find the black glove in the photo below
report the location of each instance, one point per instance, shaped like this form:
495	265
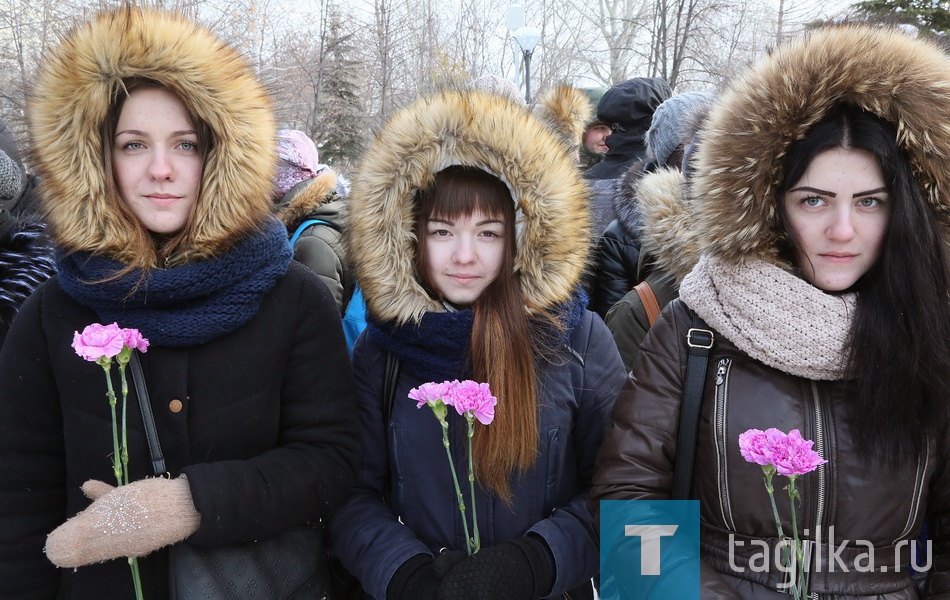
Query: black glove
414	579
516	570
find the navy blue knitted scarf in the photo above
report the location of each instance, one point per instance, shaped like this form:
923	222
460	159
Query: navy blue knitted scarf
186	305
437	349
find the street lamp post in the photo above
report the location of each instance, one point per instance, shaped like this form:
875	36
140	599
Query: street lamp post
527	38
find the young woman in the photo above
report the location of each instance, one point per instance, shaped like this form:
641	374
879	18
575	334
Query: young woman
822	194
158	188
469	233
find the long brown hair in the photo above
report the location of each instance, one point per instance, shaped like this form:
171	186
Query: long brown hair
502	350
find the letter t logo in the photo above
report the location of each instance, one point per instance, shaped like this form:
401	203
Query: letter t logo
649	544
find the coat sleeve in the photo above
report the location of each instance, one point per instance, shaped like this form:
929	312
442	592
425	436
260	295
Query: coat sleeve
569	531
938	519
627	321
319	256
638	455
32	459
365	533
616	273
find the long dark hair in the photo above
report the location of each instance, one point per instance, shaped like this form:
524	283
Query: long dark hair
899	344
502	349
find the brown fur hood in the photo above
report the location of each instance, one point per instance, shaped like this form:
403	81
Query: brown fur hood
77	83
668	231
495	134
319	192
901	79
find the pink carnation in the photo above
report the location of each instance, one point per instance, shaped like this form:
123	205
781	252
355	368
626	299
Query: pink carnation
431	392
97	341
475	398
135	340
756	445
793	455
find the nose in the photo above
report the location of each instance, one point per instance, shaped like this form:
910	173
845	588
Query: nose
842	225
464	250
160	167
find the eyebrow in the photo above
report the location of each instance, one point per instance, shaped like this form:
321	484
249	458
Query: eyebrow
834	195
181	133
480	223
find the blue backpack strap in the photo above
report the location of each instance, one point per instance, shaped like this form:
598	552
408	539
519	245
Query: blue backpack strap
303	226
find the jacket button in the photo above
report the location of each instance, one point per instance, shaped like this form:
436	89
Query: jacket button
175	405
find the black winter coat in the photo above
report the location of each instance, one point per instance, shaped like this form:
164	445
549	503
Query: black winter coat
267	432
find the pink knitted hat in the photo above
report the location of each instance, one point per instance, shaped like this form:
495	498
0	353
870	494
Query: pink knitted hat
299	160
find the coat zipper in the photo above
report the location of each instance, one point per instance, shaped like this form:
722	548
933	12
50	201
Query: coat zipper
822	475
722	385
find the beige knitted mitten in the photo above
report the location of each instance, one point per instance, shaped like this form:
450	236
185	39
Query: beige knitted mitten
132	520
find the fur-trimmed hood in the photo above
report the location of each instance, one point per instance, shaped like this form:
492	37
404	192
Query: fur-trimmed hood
499	136
319	194
739	159
77	83
668	233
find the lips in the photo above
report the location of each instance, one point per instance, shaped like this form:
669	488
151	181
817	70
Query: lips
162	199
838	257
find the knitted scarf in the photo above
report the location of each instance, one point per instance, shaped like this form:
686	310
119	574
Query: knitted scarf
773	316
437	348
187	305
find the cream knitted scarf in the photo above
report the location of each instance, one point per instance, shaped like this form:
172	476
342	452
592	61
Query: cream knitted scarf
772	315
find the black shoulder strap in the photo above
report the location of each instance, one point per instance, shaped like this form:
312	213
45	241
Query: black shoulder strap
699	339
151	432
390	379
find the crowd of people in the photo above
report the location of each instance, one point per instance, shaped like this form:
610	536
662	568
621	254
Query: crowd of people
565	254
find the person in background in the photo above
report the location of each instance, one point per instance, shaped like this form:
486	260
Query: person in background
593	142
18	193
26	261
670	248
158	191
309	191
618	251
822	196
470	255
627	108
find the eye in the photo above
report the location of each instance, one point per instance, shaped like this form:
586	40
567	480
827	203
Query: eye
869	202
813	201
189	146
439	232
491	234
133	146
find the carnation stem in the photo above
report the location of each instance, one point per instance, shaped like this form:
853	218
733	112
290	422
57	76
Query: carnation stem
125	437
769	471
798	556
455	480
476	542
136	578
110	394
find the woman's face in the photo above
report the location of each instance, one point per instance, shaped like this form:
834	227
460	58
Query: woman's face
464	255
156	159
839	213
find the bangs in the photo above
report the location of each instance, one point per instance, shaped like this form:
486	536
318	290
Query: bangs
461	191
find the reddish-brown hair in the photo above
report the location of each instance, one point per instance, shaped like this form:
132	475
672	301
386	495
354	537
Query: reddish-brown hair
502	352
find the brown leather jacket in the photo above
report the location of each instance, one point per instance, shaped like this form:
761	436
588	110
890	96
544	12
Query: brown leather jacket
854	499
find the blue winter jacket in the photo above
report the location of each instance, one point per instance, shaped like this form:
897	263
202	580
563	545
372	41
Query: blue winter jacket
405	460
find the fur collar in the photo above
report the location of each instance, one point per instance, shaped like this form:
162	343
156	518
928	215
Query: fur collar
748	132
668	235
315	193
85	71
493	133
